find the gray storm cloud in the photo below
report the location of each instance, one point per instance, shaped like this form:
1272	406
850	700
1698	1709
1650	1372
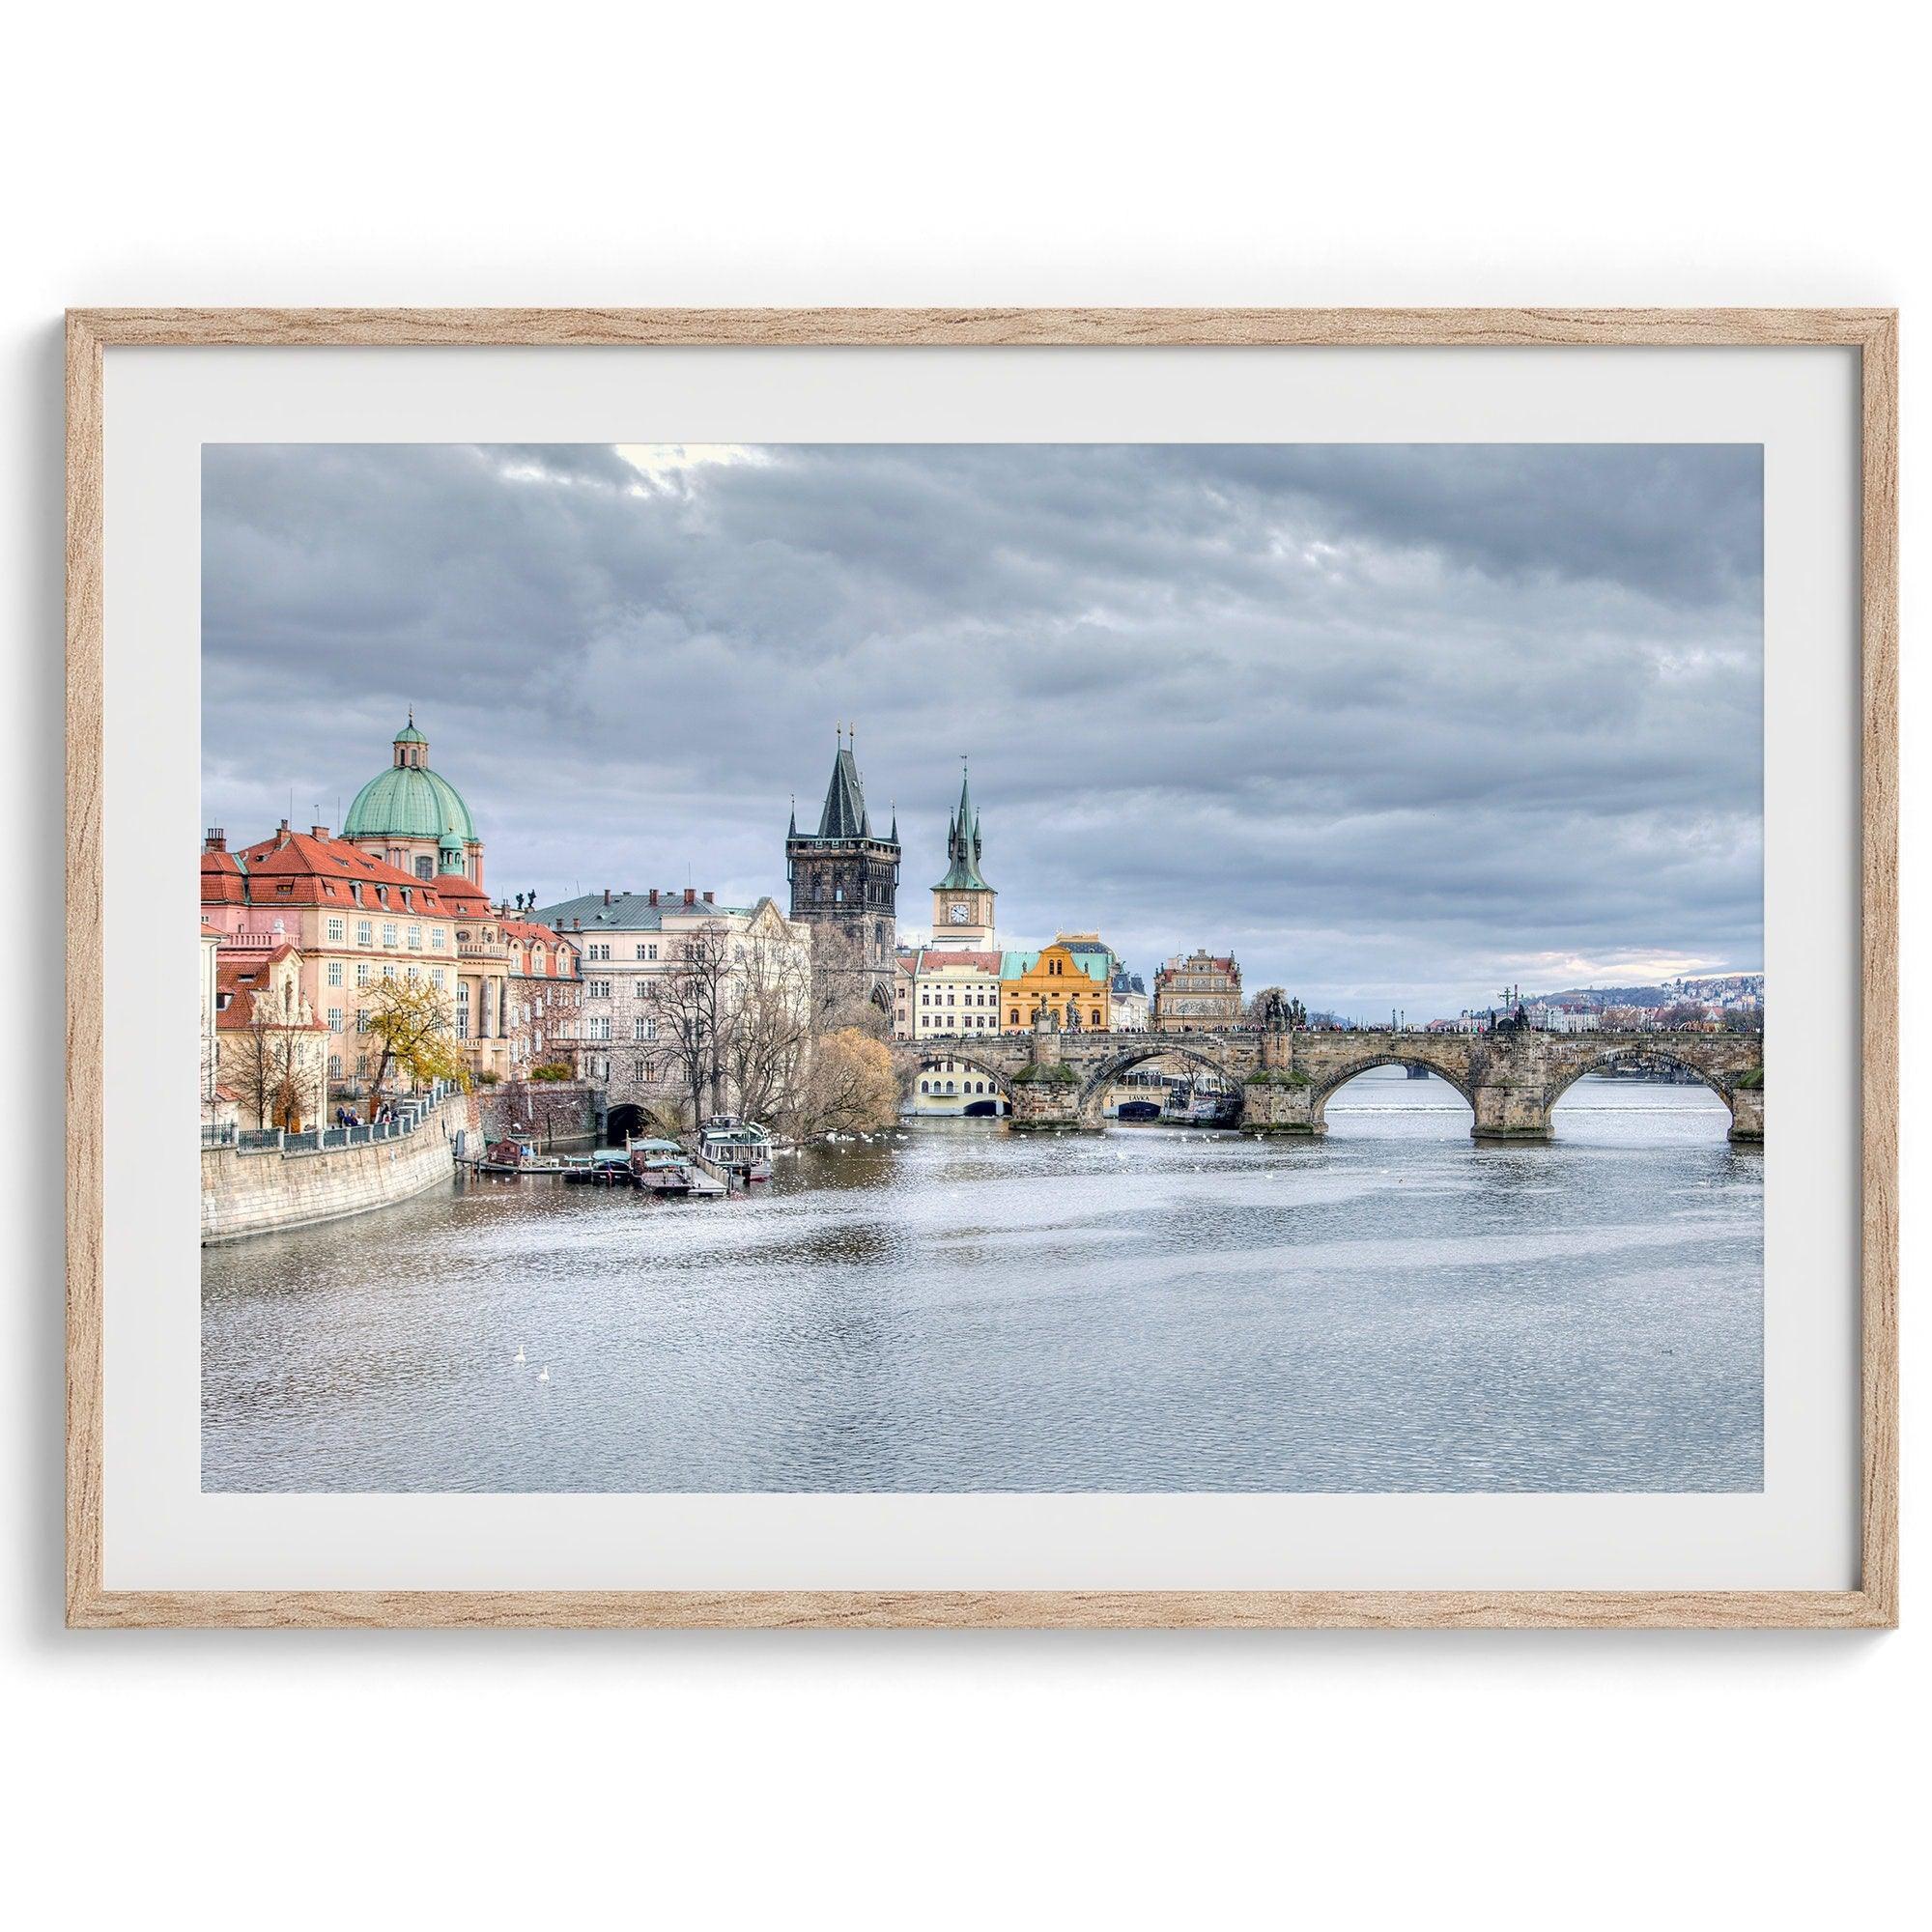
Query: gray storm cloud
1396	725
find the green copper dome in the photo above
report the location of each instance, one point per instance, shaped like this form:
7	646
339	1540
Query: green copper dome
409	801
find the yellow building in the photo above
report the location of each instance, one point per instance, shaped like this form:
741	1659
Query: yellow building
1071	986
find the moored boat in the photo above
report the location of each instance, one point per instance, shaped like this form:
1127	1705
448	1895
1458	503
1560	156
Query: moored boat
659	1167
742	1148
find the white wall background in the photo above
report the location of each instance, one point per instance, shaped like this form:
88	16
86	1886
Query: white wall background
227	154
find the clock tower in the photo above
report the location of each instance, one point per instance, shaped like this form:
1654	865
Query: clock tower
962	901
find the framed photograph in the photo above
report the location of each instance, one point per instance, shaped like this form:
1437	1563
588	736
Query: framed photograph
1009	968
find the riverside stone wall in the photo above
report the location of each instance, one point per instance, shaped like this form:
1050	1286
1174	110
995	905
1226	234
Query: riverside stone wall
266	1193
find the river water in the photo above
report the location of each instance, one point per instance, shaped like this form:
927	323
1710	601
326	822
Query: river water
957	1308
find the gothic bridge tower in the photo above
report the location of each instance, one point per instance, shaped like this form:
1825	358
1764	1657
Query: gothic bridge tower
844	886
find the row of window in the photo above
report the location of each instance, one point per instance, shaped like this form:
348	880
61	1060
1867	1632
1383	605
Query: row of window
600	950
365	934
367	973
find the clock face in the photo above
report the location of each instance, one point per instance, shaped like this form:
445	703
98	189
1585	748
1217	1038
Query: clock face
958	913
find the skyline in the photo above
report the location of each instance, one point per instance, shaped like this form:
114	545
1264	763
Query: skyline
1395	726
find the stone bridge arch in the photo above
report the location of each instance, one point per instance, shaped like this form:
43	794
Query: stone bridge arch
1202	1049
1450	1066
1734	1073
918	1056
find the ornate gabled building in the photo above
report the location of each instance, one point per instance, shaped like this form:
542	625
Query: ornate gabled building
1201	993
845	887
962	901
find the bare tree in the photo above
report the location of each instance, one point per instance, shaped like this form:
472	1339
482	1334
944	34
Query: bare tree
692	1006
767	1044
275	1061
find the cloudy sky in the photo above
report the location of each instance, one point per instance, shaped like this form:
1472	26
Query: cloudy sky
1397	726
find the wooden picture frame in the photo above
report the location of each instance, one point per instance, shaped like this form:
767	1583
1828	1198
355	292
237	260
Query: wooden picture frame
1870	332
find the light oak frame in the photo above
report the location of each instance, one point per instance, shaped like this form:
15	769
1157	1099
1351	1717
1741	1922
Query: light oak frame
1873	332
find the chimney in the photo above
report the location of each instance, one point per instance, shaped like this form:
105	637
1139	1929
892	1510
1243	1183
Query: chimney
691	895
318	832
216	839
281	835
654	896
708	899
606	895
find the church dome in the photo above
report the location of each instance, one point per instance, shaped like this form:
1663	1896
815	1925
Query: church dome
408	799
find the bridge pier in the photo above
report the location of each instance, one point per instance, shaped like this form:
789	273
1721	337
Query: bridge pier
1046	1091
1509	1112
1050	1103
1746	1116
1275	1101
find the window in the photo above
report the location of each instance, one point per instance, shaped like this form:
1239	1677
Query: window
643	988
335	972
415	938
388	969
921	1086
361	1026
365	933
335	1066
642	953
435	976
361	972
462	1012
638	1070
599	952
650	952
436	938
335	930
425	865
640	1029
600	1027
598	989
389	934
412	976
335	1019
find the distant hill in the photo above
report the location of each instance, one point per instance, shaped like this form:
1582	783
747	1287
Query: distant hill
1607	996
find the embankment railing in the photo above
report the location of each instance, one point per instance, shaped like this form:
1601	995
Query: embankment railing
410	1116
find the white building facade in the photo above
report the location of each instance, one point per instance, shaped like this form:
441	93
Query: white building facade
627	943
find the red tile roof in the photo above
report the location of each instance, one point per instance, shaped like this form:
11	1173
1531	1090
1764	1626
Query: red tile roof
299	868
533	932
933	957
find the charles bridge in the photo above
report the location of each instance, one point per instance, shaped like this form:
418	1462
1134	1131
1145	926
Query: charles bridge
1511	1078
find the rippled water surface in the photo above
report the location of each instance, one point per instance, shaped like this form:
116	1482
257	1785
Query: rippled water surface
958	1308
